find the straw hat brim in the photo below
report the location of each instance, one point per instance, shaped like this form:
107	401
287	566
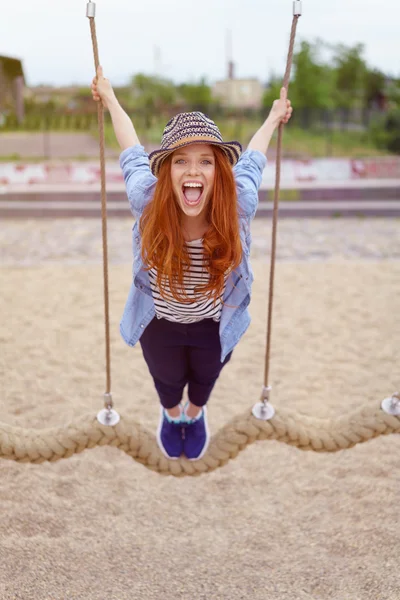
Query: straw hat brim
233	150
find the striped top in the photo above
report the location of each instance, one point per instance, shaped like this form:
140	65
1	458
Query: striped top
201	307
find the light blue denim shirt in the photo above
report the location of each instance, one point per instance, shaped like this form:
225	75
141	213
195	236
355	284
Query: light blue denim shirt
139	308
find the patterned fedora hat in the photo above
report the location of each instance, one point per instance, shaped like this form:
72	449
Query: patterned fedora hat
191	128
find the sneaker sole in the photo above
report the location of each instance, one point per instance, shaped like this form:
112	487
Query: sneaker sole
202	453
158	436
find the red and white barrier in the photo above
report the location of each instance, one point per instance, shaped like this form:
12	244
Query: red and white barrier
293	171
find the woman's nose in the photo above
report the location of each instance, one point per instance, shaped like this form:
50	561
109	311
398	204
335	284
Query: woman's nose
193	168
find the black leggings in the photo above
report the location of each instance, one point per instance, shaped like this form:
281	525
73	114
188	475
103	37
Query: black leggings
178	354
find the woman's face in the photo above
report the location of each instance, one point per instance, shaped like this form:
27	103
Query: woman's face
192	173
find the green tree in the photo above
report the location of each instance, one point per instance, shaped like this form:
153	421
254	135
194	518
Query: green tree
312	84
152	92
152	96
393	93
374	87
196	96
350	75
272	92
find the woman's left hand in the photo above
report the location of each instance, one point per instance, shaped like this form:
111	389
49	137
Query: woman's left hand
282	109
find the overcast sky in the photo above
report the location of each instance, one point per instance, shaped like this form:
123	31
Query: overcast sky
52	37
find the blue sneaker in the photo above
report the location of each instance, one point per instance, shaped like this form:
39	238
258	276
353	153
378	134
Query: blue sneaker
170	436
196	436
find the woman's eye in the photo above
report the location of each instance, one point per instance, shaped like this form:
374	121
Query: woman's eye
181	160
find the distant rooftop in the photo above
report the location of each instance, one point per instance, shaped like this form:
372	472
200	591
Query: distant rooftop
12	67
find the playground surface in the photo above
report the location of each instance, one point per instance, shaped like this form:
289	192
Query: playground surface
276	523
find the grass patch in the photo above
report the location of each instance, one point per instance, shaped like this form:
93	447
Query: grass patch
10	158
317	144
297	143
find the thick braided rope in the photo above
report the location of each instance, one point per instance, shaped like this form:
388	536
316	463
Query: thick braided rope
302	431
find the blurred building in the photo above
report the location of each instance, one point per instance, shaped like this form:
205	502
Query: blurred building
238	93
12	85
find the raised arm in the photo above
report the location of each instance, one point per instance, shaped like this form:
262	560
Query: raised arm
249	169
134	161
281	111
123	126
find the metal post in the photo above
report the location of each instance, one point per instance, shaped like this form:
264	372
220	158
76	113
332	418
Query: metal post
263	410
91	10
391	406
297	8
108	416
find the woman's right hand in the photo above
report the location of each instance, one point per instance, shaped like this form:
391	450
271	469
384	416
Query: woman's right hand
102	88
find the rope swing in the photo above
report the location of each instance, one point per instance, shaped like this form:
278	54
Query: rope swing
260	423
304	432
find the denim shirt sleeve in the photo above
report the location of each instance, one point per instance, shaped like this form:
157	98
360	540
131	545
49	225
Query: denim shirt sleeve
139	180
248	174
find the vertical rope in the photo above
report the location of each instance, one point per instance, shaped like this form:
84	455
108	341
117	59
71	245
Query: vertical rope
100	116
286	80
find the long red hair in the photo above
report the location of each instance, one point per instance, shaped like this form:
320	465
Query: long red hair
163	244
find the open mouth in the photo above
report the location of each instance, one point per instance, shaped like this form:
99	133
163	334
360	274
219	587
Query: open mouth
192	193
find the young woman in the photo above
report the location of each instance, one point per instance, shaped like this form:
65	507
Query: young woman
193	200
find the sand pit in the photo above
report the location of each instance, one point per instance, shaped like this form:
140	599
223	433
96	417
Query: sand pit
275	523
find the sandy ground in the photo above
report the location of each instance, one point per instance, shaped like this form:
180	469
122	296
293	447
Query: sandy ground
275	523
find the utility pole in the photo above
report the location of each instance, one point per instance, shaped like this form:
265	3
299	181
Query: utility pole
231	69
229	54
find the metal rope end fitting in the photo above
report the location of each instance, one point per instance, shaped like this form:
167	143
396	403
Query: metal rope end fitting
263	410
90	9
391	406
297	8
108	416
